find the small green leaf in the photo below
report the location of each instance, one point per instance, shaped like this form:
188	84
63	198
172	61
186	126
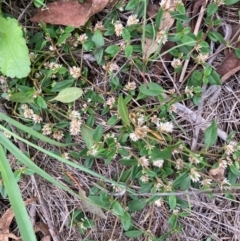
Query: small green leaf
159	18
20	97
14	58
112	50
68	95
62	85
126	35
117	209
230	2
98	39
123	111
136	205
128	51
41	102
211	9
234	170
98	133
126	221
133	233
98	55
87	135
210	135
237	52
172	200
131	5
151	89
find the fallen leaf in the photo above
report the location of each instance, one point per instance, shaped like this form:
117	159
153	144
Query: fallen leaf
6	220
217	173
86	203
151	46
41	227
70	13
159	67
231	63
196	5
46	238
90	207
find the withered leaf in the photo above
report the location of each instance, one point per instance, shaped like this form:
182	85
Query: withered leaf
88	206
159	67
231	63
152	10
6	220
69	13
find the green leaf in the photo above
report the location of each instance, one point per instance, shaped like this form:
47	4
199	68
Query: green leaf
159	18
210	135
112	50
234	170
123	111
68	95
87	135
38	3
98	133
230	2
211	9
117	208
14	58
131	5
126	35
126	221
128	51
151	89
133	233
41	102
98	55
136	205
172	200
98	39
157	154
21	97
15	197
62	85
237	52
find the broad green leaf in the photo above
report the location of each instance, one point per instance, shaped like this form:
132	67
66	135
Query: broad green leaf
98	133
15	198
20	97
172	200
133	233
126	221
87	135
211	9
237	52
151	89
123	111
126	35
128	51
98	39
68	95
117	208
41	102
112	50
14	58
210	135
136	205
230	2
62	85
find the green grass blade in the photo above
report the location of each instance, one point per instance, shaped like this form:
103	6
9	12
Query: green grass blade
15	197
30	131
13	149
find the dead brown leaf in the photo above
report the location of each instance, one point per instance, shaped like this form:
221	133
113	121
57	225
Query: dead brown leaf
46	238
196	6
217	173
89	206
6	220
41	227
159	67
70	13
151	46
231	63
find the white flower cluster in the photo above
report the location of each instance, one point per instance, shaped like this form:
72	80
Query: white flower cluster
29	114
76	122
118	26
